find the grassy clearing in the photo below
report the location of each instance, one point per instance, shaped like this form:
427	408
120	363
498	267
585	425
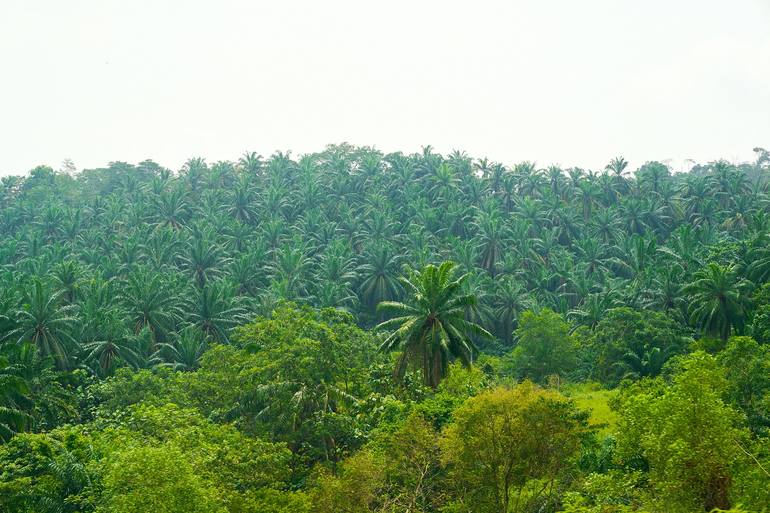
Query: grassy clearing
593	398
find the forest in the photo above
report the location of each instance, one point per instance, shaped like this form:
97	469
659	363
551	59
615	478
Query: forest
351	331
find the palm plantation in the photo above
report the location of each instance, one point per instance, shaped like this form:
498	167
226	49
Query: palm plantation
310	332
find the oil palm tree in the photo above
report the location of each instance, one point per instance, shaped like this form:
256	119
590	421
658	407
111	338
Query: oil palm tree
214	309
242	204
509	300
110	344
32	393
379	275
642	360
47	323
492	236
149	302
172	208
719	299
430	327
617	167
14	401
186	351
67	275
251	162
204	258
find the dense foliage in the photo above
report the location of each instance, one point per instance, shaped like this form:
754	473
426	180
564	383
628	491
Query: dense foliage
356	332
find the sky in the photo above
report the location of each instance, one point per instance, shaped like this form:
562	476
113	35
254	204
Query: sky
565	82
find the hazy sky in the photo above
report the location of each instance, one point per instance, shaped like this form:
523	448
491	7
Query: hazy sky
567	82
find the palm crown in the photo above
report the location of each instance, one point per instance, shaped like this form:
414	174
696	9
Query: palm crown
430	327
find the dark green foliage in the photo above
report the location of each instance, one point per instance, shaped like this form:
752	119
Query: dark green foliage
544	347
632	344
747	367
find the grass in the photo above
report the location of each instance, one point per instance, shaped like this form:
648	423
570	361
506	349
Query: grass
596	400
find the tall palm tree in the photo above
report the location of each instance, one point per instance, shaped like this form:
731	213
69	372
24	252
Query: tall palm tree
242	205
652	174
194	170
292	265
66	274
430	327
683	246
445	184
719	299
172	208
594	308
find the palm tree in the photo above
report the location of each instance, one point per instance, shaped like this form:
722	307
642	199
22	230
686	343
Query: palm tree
186	351
589	193
642	360
251	162
334	295
242	205
291	265
492	235
652	174
683	247
719	299
666	294
193	170
110	343
594	308
14	401
46	323
32	394
606	226
445	184
244	271
378	273
204	259
162	247
757	259
529	178
215	311
149	301
618	167
430	327
67	276
172	208
509	301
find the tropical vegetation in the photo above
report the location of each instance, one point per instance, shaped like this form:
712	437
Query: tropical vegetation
354	331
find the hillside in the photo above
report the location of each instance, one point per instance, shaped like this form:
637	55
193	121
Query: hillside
353	331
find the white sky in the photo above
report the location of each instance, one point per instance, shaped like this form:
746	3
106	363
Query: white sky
556	81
